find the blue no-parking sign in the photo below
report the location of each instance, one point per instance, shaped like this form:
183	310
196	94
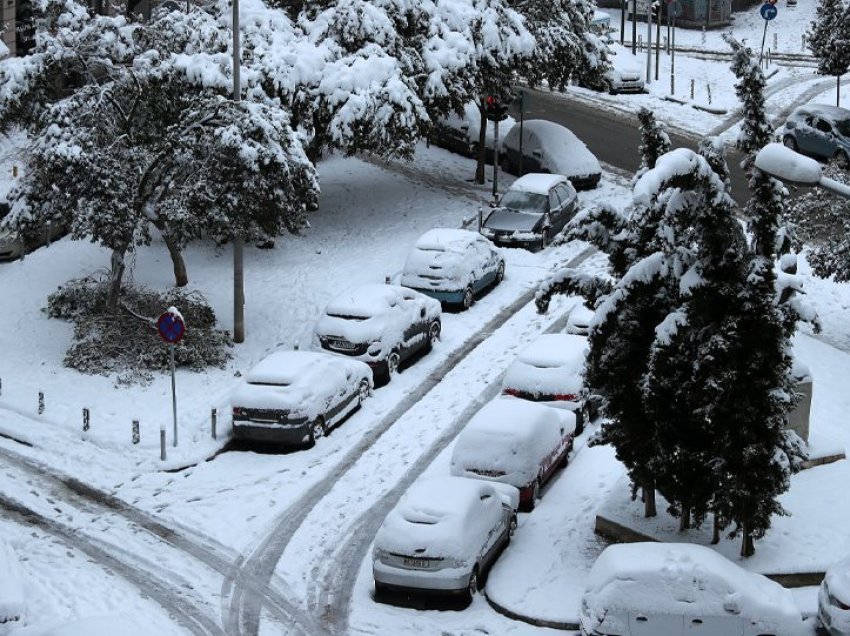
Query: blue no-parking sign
171	327
768	11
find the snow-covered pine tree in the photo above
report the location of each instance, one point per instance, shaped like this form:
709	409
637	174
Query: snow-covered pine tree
755	130
828	38
566	45
654	140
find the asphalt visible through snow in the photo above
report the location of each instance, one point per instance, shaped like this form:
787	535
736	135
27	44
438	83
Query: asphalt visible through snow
615	138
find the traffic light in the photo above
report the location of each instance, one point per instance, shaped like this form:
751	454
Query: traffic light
495	109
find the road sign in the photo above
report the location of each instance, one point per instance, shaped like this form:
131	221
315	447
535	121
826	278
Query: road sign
171	327
768	11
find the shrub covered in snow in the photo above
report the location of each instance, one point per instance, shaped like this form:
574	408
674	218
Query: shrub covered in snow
125	340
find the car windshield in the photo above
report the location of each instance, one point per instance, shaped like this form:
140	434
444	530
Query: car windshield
843	126
348	316
524	201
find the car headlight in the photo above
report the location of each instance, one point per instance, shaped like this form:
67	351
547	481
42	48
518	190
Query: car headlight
379	554
486	231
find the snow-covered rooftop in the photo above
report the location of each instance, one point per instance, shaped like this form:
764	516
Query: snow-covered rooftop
537	182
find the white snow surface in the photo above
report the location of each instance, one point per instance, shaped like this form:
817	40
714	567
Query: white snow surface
12	596
552	364
838	579
681	578
783	163
91	626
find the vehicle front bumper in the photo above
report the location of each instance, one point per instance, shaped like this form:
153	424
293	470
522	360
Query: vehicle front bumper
835	621
443	581
525	241
286	433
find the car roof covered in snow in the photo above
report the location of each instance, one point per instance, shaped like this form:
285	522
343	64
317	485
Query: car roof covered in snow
508	418
831	112
568	153
291	367
366	300
537	182
683	578
838	579
448	239
552	364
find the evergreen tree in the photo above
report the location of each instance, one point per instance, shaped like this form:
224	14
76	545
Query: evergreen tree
756	131
654	140
828	38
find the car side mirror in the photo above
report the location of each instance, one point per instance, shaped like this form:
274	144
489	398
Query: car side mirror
731	606
422	312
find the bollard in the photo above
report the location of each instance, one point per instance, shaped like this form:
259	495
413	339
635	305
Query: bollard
703	35
803	42
666	45
775	41
387	279
640	43
136	436
693	82
162	453
40	402
213	417
86	424
480	217
708	89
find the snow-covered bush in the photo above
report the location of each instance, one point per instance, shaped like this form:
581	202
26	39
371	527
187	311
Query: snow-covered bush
124	341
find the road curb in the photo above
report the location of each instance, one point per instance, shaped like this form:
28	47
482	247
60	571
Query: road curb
537	622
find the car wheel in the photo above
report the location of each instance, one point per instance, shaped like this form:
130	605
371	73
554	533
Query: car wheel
472	587
535	494
468	298
318	429
393	360
790	142
842	160
544	241
512	527
473	150
500	273
362	391
433	332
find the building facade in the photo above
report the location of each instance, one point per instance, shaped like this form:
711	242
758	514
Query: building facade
17	26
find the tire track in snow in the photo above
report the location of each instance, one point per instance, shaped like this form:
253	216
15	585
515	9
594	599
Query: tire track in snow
202	549
260	564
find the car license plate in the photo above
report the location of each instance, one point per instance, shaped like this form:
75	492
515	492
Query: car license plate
416	563
342	344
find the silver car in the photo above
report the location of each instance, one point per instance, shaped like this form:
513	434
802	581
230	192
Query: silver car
820	131
443	537
834	599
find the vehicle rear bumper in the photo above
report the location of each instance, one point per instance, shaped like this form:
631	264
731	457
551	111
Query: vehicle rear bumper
446	581
280	433
449	297
586	182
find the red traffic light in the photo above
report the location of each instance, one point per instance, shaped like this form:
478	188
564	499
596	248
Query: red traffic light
491	102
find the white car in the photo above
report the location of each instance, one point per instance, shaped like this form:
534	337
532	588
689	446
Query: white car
834	599
381	325
12	599
295	397
460	132
626	73
443	537
578	322
663	589
549	371
514	442
453	266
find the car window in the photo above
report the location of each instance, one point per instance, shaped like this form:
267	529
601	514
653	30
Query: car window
566	192
823	126
843	126
524	201
810	121
554	200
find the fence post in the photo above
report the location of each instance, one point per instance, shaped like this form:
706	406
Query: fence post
136	435
640	43
703	35
775	41
86	422
708	88
693	82
162	452
803	42
40	402
213	418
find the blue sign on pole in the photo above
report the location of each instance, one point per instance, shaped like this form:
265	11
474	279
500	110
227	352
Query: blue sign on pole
768	11
171	327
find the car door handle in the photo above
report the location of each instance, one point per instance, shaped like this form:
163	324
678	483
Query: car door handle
641	619
696	621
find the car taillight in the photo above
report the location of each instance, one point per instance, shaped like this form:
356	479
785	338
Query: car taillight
513	392
565	397
238	411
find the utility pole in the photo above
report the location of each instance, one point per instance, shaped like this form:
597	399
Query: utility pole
649	42
634	27
238	282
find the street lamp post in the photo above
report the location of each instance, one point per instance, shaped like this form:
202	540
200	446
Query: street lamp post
786	165
238	277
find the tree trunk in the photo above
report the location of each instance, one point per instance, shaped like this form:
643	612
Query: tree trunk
685	519
837	90
649	509
181	278
715	537
116	276
748	548
482	147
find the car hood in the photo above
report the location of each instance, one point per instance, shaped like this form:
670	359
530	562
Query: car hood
509	220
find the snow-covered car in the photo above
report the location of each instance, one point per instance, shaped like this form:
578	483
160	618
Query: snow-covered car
443	537
514	442
382	325
549	371
626	72
578	322
550	147
91	626
12	599
12	244
453	266
834	599
295	397
533	210
818	130
460	132
663	589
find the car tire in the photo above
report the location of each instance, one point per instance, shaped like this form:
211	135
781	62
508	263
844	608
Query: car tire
528	506
472	586
500	274
544	241
468	298
473	150
434	330
565	461
363	391
789	142
842	160
318	428
512	526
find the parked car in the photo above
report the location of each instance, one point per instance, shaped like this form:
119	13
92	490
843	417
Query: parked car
296	397
549	371
533	210
550	147
818	130
382	325
834	599
12	244
453	266
515	442
460	132
578	322
663	589
626	72
12	599
443	537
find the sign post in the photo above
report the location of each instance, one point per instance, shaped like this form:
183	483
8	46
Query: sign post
171	329
674	10
768	11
